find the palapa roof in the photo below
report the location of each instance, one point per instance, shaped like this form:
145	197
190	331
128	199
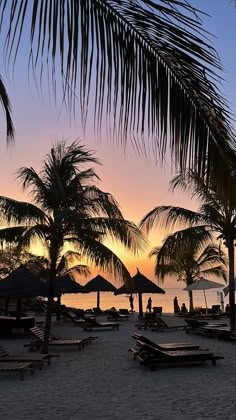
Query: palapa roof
65	284
139	284
99	284
22	283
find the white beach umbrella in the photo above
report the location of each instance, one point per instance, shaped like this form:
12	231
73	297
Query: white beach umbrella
203	284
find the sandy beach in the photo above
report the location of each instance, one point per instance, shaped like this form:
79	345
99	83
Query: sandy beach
104	382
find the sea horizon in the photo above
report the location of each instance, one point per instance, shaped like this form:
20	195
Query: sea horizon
109	300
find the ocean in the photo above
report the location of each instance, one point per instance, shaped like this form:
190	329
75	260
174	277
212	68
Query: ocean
108	299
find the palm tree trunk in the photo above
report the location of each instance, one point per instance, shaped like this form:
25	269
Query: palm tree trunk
190	295
230	244
48	320
59	308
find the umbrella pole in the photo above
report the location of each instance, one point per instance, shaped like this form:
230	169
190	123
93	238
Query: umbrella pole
98	299
140	304
205	299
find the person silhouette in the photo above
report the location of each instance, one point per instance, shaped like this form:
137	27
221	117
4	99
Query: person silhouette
176	305
183	308
131	302
149	304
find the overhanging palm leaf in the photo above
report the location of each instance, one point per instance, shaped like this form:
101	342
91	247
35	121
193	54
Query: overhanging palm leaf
69	264
11	235
7	110
155	72
20	212
120	230
211	255
101	256
168	217
217	271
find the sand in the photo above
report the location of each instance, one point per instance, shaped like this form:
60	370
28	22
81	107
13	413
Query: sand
104	382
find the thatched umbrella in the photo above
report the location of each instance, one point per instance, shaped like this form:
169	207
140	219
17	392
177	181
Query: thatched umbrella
65	284
139	284
99	284
21	283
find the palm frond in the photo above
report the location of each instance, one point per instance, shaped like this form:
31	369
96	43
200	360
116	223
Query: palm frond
120	230
169	217
182	243
36	232
217	271
212	255
106	260
12	235
13	211
155	70
172	270
70	263
8	113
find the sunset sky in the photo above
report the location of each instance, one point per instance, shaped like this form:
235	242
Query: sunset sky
138	183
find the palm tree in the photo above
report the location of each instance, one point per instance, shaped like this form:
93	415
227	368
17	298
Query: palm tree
190	261
155	73
216	213
69	209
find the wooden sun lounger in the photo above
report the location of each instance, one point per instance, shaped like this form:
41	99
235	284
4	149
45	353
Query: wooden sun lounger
87	340
124	311
164	346
35	358
221	332
162	325
78	321
93	324
152	357
116	316
38	338
19	367
218	330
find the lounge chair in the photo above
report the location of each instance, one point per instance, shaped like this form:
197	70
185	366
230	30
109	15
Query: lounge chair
38	338
152	357
98	311
35	358
147	321
55	336
124	311
157	310
218	330
16	367
116	316
77	319
167	323
93	324
164	346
